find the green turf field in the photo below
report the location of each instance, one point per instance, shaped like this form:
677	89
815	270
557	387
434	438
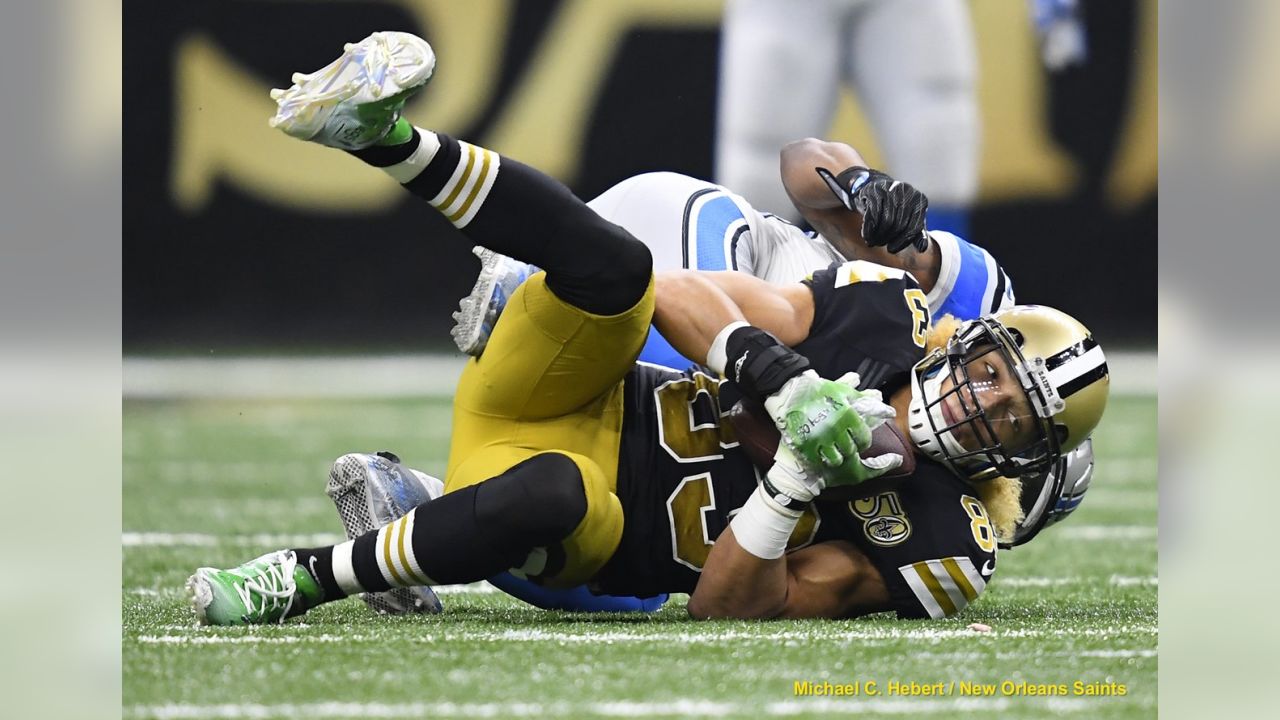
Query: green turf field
218	482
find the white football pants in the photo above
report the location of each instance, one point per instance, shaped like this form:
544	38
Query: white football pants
911	64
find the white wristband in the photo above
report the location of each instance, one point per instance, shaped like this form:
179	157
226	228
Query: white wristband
718	355
762	528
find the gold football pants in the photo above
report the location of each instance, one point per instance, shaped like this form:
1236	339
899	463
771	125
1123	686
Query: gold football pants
550	380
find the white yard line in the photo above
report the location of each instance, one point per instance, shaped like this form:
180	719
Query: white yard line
1106	532
1033	581
201	636
275	541
621	708
264	540
484	588
396	376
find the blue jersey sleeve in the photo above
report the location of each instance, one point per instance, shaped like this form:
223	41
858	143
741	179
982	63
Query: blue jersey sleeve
970	282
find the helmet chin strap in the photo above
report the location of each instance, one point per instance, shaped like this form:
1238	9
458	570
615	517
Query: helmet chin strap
940	446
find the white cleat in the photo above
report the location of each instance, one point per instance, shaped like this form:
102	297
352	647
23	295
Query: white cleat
478	312
354	101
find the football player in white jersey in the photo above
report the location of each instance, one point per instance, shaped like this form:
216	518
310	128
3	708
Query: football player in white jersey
693	224
911	63
859	214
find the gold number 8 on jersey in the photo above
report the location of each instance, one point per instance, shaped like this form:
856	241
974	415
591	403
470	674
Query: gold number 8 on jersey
918	303
979	523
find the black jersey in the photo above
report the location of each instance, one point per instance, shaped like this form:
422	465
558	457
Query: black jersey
682	477
928	534
869	319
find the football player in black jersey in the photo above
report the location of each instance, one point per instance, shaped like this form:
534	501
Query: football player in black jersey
573	465
992	399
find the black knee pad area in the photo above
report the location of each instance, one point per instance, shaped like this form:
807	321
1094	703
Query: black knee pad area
540	501
609	273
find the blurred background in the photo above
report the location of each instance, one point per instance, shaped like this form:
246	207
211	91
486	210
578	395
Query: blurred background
239	240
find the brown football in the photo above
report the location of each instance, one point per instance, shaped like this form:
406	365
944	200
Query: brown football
759	438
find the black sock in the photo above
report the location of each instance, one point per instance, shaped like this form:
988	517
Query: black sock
319	562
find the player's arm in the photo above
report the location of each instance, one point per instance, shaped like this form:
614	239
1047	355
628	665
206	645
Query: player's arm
748	573
827	580
692	307
742	328
839	224
815	201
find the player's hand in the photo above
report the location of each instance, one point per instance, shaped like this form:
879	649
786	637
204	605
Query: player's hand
873	411
826	424
793	483
892	211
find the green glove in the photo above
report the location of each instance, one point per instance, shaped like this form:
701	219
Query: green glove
826	424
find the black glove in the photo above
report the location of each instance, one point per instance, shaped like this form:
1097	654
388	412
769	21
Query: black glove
892	211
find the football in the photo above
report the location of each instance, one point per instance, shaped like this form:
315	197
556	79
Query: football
759	438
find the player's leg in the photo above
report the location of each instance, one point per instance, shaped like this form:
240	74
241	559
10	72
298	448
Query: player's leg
779	74
561	357
584	320
354	104
914	65
650	207
373	490
463	536
686	223
550	378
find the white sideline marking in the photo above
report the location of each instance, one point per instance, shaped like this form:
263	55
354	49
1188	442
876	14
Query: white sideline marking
366	377
480	588
1132	373
682	707
159	539
1116	653
268	540
1033	581
970	656
199	636
1107	532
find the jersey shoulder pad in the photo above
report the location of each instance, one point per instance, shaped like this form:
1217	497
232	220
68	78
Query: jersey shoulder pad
863	271
970	281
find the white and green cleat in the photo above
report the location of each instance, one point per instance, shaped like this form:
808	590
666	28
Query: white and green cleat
266	590
354	101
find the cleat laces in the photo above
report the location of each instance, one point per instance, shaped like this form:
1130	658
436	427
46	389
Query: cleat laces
272	587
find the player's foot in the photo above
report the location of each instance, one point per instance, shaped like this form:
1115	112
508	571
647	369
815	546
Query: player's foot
354	101
261	591
478	312
370	491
